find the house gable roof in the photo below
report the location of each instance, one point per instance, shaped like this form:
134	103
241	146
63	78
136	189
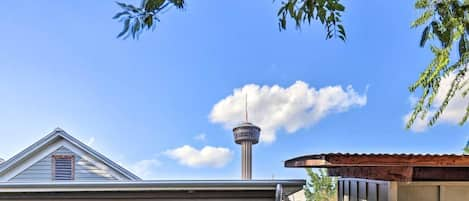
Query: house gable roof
60	135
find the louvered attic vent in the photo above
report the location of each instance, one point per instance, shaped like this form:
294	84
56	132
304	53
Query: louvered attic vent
63	167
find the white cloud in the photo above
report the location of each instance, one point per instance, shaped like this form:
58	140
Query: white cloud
419	125
453	113
200	137
145	168
274	107
208	156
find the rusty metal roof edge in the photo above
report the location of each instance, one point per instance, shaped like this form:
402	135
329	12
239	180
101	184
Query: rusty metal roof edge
302	161
309	156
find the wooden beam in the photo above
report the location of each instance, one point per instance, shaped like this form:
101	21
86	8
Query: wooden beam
377	173
307	163
402	174
441	174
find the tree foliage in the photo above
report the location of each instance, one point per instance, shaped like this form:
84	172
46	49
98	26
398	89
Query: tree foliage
466	148
327	12
136	19
446	26
320	187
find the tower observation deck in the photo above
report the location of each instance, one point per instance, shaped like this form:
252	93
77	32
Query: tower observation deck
246	134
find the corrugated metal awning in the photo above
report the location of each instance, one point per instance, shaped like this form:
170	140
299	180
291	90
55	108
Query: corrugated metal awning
392	167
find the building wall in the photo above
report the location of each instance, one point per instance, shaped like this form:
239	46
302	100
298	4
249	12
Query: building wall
42	170
298	196
433	191
350	189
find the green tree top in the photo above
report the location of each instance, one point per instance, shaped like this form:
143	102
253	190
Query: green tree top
446	26
320	187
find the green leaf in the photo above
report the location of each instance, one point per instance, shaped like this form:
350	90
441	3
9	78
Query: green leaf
291	10
135	28
281	10
283	23
419	4
298	18
423	18
148	21
425	35
178	3
125	29
340	7
151	5
342	30
465	117
118	15
342	37
463	46
122	5
322	15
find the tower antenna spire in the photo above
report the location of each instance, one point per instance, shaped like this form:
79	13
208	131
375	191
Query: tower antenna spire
246	134
246	106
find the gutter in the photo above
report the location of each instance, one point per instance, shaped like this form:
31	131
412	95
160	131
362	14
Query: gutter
283	187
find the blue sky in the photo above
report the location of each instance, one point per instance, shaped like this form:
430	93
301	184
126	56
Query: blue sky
138	101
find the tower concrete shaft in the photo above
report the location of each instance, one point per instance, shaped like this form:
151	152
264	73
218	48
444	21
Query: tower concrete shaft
246	160
246	134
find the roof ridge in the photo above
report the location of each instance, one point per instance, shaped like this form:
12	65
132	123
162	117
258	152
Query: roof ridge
105	159
59	132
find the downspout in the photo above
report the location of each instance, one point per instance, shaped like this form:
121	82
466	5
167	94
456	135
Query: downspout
279	192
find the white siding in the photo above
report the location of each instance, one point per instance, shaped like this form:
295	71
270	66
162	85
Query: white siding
42	170
434	191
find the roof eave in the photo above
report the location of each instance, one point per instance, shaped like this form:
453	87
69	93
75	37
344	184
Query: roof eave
289	186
